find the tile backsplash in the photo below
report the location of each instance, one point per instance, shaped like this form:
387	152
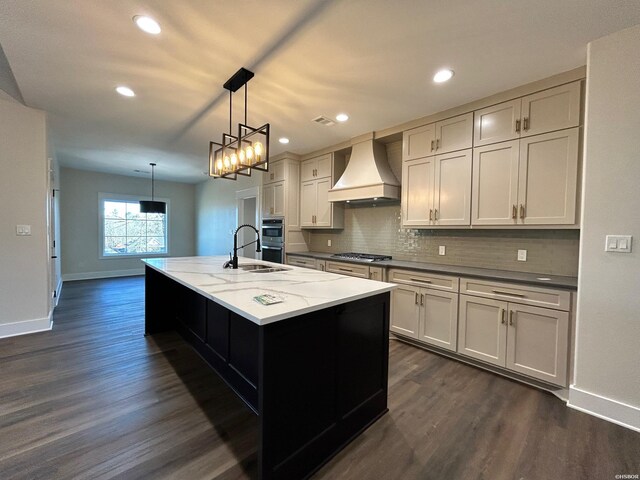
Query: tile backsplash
378	230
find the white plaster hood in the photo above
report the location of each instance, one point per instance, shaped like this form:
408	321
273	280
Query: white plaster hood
367	176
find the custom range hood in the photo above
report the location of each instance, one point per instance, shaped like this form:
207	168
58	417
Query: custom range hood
367	177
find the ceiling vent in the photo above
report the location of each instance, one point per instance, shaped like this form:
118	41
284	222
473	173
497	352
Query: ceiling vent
322	120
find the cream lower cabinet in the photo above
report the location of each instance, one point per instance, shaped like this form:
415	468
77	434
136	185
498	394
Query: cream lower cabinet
300	261
529	340
425	307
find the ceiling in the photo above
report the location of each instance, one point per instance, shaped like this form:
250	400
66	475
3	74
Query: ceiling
373	59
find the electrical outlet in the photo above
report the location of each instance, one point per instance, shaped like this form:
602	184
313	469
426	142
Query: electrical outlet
522	255
328	243
442	250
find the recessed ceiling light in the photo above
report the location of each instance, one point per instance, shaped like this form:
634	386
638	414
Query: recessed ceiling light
342	117
284	140
443	75
125	91
147	24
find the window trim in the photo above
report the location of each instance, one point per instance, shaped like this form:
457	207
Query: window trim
118	197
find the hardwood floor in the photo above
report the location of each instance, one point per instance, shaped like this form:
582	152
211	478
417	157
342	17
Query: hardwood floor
96	399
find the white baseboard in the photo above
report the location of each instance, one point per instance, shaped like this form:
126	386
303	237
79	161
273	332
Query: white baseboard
58	292
106	274
26	326
606	408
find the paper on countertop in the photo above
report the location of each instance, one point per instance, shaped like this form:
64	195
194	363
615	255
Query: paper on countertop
268	299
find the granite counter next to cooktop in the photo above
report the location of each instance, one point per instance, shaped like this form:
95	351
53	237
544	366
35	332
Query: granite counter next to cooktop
555	281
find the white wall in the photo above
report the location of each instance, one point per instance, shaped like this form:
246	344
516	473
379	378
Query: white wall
24	281
216	213
607	362
79	221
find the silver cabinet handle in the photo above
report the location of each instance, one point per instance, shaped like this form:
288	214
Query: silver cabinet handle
432	146
502	312
419	280
435	214
501	292
525	124
421	299
511	317
518	126
514	212
437	144
522	211
345	269
431	214
416	298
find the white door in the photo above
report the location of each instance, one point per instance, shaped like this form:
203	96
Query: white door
482	329
497	123
554	109
417	191
537	343
495	184
323	206
452	191
405	310
307	203
454	133
548	176
419	142
439	320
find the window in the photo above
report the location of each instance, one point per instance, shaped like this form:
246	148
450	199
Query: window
124	231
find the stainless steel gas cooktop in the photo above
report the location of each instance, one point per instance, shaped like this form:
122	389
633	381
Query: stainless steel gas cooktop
363	257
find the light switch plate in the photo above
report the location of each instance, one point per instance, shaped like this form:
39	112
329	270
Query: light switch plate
442	250
23	230
328	243
522	255
618	243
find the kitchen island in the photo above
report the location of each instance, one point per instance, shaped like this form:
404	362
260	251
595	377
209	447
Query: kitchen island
313	368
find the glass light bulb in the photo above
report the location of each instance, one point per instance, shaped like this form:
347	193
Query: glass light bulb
234	159
219	164
258	149
227	162
241	156
249	152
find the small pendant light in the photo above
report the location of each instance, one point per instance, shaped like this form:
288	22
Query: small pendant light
151	206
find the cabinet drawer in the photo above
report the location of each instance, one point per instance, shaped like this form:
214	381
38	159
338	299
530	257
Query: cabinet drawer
301	261
524	294
350	269
440	282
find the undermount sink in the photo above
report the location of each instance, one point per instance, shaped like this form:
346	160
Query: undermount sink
257	268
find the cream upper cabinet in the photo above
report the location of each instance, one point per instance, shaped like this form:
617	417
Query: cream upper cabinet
554	109
324	208
497	123
495	184
452	190
417	191
482	329
273	200
548	176
308	198
531	181
537	342
268	197
547	111
314	168
419	142
454	133
276	173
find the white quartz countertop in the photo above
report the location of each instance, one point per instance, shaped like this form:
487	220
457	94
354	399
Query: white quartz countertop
303	290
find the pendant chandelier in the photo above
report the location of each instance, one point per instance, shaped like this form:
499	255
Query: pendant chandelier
246	151
151	206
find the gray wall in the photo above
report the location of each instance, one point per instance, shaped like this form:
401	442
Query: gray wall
24	261
216	215
607	366
79	221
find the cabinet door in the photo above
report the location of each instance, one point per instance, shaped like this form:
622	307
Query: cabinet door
307	204
497	123
405	311
417	191
323	167
321	265
275	173
454	133
267	200
482	329
553	109
375	273
323	205
495	184
439	320
548	176
278	199
419	142
537	343
452	192
308	169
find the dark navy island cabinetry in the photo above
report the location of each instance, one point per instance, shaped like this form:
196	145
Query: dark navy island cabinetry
315	380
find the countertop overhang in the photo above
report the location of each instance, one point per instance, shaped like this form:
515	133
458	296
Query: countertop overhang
303	290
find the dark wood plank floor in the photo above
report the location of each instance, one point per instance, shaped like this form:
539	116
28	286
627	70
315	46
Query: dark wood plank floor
95	399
